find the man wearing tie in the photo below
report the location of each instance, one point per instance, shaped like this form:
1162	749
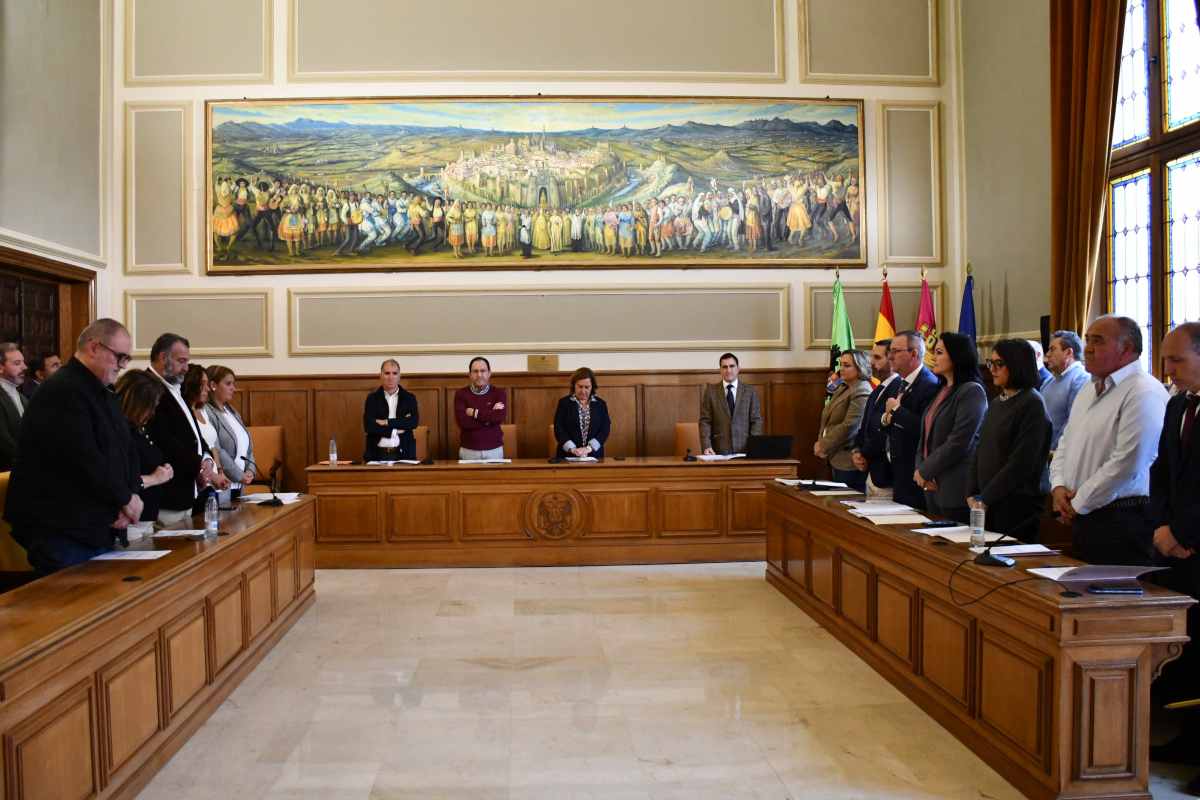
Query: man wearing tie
730	412
1175	519
903	413
870	443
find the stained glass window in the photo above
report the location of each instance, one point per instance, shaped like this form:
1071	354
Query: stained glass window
1183	240
1181	42
1131	122
1129	253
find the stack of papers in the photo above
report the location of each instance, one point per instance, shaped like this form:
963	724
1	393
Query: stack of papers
1019	550
486	460
180	534
885	512
579	459
719	457
132	555
836	493
806	482
1092	573
392	463
286	497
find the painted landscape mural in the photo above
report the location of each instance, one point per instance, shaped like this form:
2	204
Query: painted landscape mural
300	186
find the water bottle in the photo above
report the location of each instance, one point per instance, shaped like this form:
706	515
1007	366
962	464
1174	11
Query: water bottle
333	452
978	538
212	517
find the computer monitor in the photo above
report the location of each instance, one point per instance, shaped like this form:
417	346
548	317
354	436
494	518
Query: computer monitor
769	447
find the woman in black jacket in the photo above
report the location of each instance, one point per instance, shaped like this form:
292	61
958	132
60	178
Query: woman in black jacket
1009	463
139	394
581	422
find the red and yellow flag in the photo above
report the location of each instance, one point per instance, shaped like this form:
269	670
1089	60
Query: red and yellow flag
885	323
927	321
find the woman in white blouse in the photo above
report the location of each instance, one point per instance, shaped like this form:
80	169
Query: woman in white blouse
195	392
233	440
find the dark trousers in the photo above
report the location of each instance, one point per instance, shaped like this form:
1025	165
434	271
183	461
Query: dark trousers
957	513
52	549
1018	516
1178	681
851	477
1113	536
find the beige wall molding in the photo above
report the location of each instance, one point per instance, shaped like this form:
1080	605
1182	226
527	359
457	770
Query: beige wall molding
893	42
564	319
910	182
38	242
992	338
862	305
218	322
503	46
215	29
159	178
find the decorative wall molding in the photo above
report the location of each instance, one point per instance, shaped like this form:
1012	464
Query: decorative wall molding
132	78
456	320
209	318
817	326
809	75
132	110
889	150
297	73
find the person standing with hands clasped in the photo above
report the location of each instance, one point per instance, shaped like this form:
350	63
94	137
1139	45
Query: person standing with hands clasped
581	422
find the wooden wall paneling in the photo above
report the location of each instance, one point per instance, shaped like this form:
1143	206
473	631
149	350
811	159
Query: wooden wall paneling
430	410
796	411
495	514
856	593
664	406
286	567
420	516
623	410
776	546
306	554
338	413
946	637
260	596
895	616
796	553
185	652
350	516
227	623
1111	742
697	510
54	753
747	511
619	513
822	570
289	408
131	709
532	410
1018	705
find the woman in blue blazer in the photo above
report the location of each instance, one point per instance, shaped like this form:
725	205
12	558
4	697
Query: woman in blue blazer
581	422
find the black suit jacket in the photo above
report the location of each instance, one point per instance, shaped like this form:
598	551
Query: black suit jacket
407	418
872	437
10	428
29	388
179	439
566	425
904	435
1175	479
75	466
147	458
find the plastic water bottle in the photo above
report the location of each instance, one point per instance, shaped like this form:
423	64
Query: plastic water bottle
333	452
212	517
978	538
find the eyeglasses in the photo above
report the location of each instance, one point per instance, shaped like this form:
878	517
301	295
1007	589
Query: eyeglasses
122	358
995	363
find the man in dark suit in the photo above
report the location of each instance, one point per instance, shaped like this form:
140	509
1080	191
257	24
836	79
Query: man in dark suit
903	412
1175	518
389	416
74	486
12	404
870	443
38	370
730	411
174	430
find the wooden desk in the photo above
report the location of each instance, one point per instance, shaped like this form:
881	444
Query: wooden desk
102	678
1053	692
532	513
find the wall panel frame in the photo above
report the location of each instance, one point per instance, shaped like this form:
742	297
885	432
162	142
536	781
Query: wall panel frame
810	73
134	265
910	156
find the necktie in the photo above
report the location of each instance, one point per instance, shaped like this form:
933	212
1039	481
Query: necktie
1189	421
729	401
1100	388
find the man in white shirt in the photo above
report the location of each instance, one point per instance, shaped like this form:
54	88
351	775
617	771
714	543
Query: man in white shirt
12	404
1100	473
730	411
1068	377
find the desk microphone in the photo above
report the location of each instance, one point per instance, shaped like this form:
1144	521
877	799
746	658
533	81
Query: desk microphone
986	559
689	456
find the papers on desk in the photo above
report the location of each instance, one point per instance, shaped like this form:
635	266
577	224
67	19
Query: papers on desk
486	460
805	483
720	457
181	534
339	461
895	519
287	498
873	508
579	459
1092	573
132	555
1019	550
392	463
835	493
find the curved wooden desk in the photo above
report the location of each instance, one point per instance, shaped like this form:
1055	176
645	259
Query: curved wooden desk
534	513
103	678
1052	691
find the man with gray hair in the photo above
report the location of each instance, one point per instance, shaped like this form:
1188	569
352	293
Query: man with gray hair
1100	472
1068	376
74	486
12	404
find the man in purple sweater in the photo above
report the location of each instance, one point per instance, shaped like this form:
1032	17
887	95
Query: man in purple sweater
479	409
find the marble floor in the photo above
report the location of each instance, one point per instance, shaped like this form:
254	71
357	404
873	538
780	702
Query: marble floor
657	682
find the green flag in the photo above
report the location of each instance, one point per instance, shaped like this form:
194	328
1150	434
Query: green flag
841	338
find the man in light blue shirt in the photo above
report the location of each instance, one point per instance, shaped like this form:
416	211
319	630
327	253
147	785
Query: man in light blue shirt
1068	377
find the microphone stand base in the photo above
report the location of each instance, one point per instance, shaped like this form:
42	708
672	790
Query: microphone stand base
986	559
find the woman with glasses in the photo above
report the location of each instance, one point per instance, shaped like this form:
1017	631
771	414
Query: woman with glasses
1008	467
950	427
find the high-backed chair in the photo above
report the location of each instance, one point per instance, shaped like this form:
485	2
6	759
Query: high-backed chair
687	437
267	441
511	446
12	555
421	436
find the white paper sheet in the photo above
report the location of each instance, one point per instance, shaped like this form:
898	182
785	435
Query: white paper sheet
485	461
963	536
1019	550
258	497
897	519
188	534
132	555
1092	573
720	457
805	482
836	493
392	463
579	459
946	532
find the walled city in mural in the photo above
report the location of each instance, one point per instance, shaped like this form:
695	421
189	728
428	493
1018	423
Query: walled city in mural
303	186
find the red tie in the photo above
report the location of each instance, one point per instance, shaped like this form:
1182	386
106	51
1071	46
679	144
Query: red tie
1189	421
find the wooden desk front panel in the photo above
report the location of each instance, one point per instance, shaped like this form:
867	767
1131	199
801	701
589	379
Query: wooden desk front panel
531	513
1052	692
95	708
